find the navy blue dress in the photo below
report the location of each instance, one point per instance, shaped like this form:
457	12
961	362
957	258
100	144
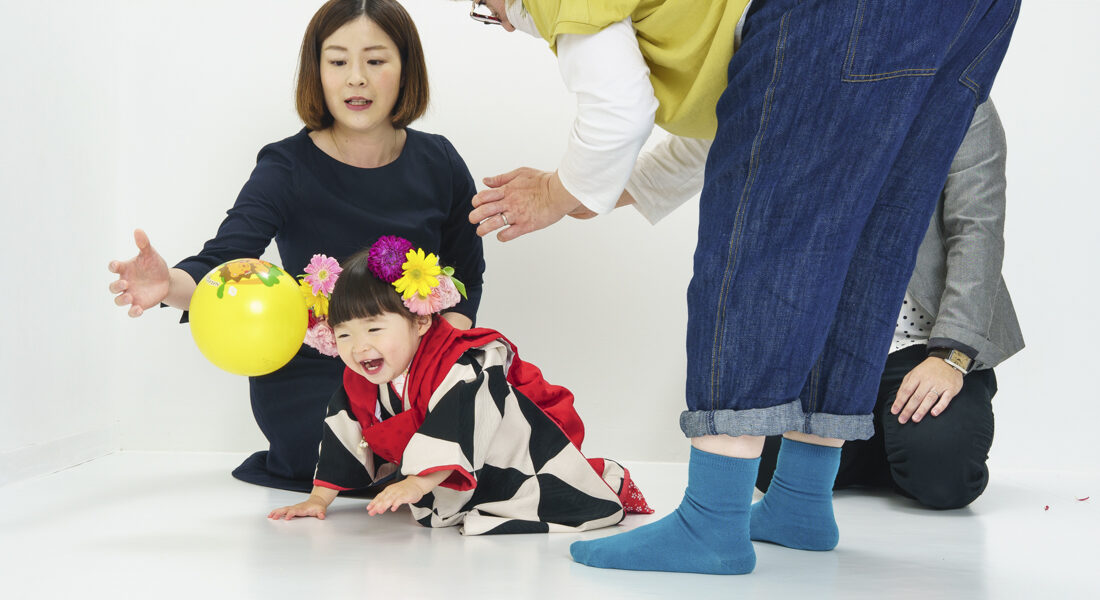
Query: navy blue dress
311	203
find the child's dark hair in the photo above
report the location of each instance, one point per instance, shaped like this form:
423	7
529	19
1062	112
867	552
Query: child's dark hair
360	294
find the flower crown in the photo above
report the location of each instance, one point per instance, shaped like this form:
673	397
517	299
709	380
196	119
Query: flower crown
425	287
316	285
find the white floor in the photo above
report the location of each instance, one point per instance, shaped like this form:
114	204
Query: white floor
156	525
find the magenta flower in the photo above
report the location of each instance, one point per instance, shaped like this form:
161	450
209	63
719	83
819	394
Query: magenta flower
443	296
386	257
321	274
320	338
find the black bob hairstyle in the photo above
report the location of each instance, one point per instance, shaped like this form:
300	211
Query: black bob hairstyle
360	294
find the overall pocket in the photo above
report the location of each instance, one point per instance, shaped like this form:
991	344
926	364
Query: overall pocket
903	38
999	23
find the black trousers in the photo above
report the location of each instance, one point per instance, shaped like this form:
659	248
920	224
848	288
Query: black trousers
940	462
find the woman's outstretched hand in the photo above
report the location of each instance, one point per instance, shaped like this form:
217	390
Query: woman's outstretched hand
143	281
521	201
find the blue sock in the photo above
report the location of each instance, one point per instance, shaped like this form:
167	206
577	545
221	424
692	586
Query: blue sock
708	533
797	511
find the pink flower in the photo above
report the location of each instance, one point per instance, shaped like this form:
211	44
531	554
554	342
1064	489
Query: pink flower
443	296
320	338
322	272
446	293
386	257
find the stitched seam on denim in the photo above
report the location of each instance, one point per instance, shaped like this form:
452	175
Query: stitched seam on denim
853	41
884	77
890	74
965	78
897	73
817	385
739	218
969	13
853	38
815	374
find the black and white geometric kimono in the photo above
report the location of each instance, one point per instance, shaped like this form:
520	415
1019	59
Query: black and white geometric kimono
514	468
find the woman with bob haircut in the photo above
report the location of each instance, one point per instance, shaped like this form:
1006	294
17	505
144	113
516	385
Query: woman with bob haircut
354	172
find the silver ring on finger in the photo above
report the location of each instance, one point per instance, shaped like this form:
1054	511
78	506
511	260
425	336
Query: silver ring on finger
504	218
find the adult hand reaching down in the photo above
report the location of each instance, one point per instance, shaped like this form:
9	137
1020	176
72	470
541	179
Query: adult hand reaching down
521	201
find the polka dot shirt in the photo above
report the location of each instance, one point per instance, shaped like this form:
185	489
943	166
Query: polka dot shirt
914	325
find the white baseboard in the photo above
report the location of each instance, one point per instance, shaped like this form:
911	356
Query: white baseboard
50	457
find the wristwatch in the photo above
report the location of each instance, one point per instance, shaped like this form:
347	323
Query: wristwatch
956	358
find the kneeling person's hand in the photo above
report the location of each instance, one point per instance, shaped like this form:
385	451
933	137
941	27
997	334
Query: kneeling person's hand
929	387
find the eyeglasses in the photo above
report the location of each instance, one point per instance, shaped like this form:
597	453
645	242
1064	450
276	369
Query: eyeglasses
486	16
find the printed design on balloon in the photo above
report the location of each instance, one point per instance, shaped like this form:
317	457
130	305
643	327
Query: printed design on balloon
244	321
245	271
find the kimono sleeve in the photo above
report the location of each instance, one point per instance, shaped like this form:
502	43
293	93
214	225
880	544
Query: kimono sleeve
461	423
343	462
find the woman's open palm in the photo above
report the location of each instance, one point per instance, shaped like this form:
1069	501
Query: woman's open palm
143	281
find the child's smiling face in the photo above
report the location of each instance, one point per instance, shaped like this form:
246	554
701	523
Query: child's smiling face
380	348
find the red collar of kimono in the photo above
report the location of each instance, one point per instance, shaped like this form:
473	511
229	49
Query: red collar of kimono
440	348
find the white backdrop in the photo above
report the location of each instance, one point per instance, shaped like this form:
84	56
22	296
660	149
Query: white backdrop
128	114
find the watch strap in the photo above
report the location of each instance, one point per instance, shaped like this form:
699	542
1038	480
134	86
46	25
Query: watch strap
956	358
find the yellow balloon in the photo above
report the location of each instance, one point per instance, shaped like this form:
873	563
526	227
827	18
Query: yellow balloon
248	317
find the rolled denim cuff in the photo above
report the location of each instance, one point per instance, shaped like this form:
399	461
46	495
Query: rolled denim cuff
775	420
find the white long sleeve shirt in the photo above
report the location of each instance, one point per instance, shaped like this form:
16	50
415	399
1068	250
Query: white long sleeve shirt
615	116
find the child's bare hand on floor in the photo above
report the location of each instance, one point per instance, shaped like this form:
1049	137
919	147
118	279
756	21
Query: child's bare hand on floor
314	506
406	491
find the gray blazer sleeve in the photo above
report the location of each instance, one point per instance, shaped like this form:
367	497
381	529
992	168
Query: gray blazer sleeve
973	214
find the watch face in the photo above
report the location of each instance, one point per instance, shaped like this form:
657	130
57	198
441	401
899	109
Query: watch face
959	359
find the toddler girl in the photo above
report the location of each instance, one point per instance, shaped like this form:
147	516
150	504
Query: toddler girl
467	433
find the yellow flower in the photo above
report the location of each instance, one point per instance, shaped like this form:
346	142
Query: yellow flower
320	307
318	304
420	274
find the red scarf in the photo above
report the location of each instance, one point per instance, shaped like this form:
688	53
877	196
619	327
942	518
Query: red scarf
439	349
